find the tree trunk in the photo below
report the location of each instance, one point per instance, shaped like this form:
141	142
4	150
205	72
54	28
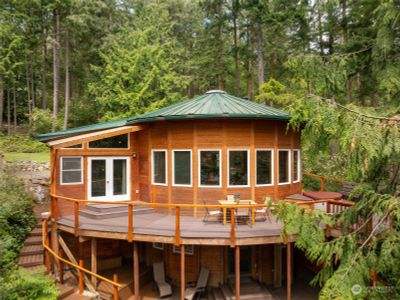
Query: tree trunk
260	54
67	83
235	44
250	76
15	109
28	92
43	73
344	21
1	102
56	61
8	112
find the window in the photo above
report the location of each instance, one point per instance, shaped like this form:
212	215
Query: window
296	165
182	167
118	141
210	168
189	249
264	167
158	246
238	168
71	170
78	146
283	166
159	175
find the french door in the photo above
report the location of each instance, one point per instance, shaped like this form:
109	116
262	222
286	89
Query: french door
108	178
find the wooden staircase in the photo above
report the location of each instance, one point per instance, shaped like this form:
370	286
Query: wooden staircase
107	211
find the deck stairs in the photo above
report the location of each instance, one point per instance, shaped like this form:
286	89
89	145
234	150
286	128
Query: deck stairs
249	289
107	211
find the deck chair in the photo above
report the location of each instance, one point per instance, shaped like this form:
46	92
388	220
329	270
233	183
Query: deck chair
211	213
200	286
164	288
264	211
242	213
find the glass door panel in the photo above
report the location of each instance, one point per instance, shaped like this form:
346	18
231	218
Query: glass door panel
119	177
98	180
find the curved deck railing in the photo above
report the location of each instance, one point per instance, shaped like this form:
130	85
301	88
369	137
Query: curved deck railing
323	179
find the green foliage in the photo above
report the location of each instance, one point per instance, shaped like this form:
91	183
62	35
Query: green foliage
20	284
349	259
42	121
274	92
16	220
22	144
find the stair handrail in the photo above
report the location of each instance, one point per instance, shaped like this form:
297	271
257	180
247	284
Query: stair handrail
80	268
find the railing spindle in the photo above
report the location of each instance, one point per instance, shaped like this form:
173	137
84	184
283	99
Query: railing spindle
177	226
76	218
233	229
130	222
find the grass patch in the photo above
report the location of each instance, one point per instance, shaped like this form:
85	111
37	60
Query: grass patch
40	157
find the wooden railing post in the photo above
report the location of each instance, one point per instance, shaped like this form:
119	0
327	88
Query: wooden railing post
61	264
45	237
76	218
115	294
233	229
321	184
177	226
81	277
130	222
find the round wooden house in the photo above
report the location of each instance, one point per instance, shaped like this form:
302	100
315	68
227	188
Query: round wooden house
186	185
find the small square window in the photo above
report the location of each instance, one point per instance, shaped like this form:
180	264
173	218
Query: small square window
71	170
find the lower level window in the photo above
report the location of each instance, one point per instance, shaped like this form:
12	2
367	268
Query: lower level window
284	166
71	170
182	172
238	167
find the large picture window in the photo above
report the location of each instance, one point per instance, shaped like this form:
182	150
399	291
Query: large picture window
71	170
159	163
284	166
210	168
182	167
238	168
296	165
118	142
264	167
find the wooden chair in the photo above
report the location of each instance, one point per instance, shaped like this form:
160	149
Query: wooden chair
242	214
264	211
164	288
211	213
200	286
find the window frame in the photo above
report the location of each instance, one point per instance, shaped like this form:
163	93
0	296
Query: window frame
199	168
298	165
129	143
173	168
272	166
228	165
61	169
166	166
289	166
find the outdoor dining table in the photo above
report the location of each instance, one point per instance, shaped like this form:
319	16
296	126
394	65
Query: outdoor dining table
241	202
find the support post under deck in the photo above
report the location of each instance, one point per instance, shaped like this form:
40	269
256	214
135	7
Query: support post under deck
136	285
237	272
183	272
289	271
94	260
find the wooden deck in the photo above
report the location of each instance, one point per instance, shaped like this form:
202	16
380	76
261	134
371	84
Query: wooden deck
157	227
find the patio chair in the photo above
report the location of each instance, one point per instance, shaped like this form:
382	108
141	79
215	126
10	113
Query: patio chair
264	211
242	214
200	286
211	213
164	288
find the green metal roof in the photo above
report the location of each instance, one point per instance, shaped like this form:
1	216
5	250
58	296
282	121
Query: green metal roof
212	105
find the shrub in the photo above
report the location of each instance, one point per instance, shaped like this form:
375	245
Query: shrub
20	284
21	143
42	121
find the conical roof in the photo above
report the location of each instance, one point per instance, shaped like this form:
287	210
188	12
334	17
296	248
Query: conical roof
214	104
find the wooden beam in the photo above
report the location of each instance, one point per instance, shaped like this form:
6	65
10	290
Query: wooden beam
237	272
94	260
183	272
93	136
289	271
136	285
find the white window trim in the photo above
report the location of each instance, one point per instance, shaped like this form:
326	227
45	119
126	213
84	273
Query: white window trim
298	165
272	166
290	167
173	167
126	197
248	167
129	143
61	170
166	167
199	168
